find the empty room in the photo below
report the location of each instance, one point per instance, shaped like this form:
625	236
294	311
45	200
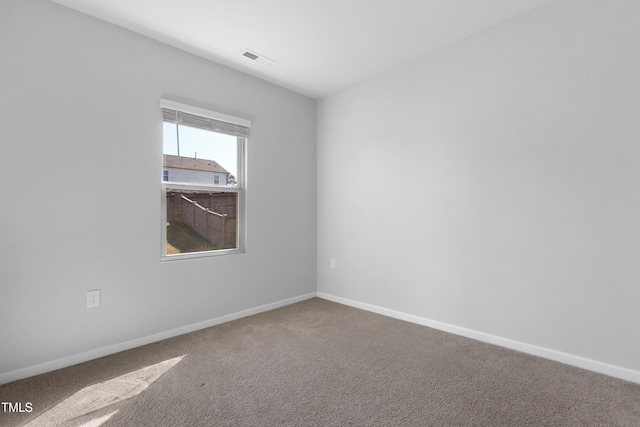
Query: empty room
264	213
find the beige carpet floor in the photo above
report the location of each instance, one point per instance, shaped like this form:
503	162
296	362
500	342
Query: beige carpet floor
318	363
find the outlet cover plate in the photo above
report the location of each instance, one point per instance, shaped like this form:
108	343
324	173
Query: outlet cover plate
93	298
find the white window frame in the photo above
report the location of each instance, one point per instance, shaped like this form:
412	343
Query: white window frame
240	188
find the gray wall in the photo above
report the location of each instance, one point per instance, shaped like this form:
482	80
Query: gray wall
81	125
516	200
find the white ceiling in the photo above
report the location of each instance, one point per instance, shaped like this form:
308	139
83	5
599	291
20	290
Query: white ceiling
318	46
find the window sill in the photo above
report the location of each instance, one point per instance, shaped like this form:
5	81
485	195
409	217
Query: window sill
195	255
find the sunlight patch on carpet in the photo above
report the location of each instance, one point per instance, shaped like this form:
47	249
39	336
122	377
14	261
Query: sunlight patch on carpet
101	395
97	422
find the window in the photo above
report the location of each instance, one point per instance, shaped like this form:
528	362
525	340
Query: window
202	214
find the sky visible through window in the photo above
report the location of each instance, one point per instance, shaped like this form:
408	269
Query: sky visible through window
202	144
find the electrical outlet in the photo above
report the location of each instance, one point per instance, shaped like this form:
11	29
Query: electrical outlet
93	298
332	264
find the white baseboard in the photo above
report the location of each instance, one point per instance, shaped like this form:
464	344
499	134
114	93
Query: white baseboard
558	356
52	365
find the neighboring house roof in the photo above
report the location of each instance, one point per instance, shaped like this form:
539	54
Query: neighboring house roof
179	162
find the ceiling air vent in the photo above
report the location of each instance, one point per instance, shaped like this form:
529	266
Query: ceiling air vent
257	57
250	55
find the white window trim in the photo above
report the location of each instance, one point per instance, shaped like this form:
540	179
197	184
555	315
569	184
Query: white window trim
241	189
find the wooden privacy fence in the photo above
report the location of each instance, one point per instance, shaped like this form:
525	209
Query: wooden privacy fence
219	229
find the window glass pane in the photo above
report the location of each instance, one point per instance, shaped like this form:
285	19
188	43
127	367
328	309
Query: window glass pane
203	165
197	156
200	221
